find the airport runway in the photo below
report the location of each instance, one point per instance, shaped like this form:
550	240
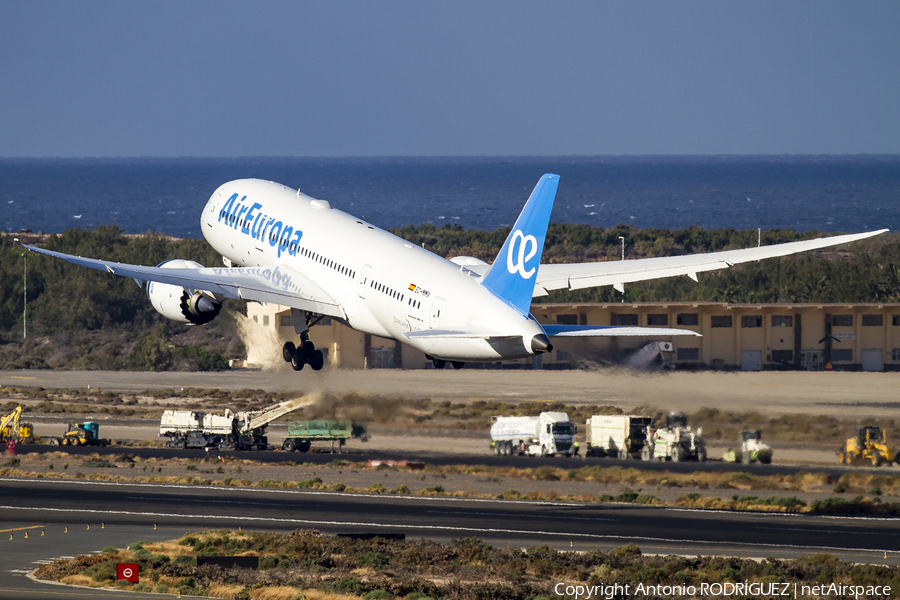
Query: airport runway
181	508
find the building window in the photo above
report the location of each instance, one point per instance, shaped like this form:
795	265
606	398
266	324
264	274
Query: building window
285	320
842	320
783	356
751	321
688	353
721	321
895	355
658	320
688	319
567	319
255	319
872	320
627	319
842	355
265	319
895	320
782	321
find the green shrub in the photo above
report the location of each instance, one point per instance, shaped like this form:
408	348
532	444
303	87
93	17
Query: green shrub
378	595
338	487
627	497
109	550
374	560
104	571
186	560
348	585
631	550
646	499
161	588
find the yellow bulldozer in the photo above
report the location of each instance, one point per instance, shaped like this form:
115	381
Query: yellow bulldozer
11	428
869	445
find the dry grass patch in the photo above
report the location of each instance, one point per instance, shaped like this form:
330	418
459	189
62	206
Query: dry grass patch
228	592
80	580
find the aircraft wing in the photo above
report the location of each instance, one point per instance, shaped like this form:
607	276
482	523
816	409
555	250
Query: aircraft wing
619	272
279	285
612	330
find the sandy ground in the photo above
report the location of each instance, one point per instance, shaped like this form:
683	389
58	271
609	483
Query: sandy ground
846	395
390	440
771	393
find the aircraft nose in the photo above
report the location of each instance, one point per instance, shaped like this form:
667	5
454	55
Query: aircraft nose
541	343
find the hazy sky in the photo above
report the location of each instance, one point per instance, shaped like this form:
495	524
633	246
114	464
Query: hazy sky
381	78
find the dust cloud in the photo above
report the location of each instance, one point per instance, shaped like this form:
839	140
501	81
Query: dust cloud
262	343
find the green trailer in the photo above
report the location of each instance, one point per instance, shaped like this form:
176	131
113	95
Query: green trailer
301	434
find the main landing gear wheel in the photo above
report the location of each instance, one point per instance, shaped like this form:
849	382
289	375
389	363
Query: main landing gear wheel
317	360
307	355
458	364
438	363
287	351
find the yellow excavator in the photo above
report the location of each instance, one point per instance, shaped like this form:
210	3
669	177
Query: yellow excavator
869	445
11	428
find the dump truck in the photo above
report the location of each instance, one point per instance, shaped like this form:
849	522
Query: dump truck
676	441
547	434
12	428
229	431
869	445
80	434
616	436
752	449
301	434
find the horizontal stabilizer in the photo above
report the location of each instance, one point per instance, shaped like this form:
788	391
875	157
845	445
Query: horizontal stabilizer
612	330
458	333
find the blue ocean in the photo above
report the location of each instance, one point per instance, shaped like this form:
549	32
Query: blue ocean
826	193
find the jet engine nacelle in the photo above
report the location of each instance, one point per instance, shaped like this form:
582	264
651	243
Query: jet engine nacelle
174	302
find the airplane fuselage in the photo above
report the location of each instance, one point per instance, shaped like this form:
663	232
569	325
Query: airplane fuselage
384	285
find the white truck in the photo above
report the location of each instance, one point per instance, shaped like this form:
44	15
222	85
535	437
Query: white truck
617	436
676	441
231	431
548	434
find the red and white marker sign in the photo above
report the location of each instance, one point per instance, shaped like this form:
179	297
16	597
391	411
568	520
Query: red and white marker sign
127	571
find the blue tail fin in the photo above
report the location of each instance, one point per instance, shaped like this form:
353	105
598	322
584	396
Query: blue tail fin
513	274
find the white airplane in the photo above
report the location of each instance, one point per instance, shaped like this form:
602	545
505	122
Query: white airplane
282	246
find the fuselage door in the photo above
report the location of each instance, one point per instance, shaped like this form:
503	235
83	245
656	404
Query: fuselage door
364	275
436	309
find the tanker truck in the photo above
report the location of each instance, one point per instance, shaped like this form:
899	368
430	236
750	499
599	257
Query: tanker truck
548	434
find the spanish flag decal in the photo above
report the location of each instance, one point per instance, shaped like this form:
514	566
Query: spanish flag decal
412	287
